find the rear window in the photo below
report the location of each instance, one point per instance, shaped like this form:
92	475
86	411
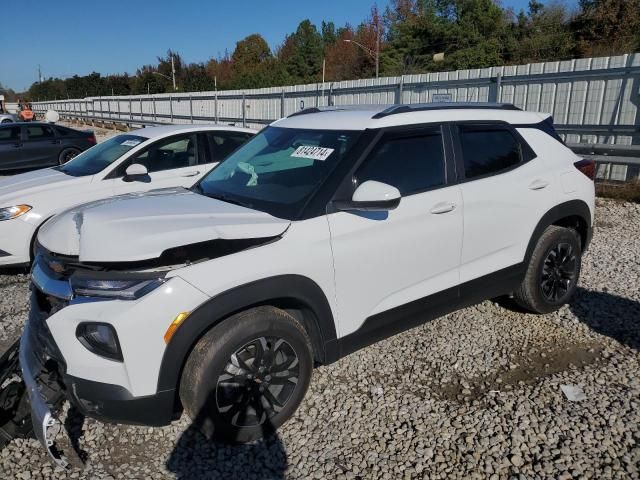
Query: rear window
488	149
38	132
64	131
222	144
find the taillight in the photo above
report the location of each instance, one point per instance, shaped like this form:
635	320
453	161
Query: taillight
92	140
588	167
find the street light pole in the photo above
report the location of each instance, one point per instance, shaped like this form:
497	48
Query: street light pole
167	77
378	48
173	73
375	55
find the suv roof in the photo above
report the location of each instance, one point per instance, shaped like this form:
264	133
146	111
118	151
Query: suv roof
361	117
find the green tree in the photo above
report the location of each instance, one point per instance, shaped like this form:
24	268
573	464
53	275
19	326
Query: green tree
607	27
303	52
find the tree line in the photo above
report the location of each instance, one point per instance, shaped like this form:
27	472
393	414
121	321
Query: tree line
411	36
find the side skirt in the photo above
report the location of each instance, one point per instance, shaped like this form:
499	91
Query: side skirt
405	317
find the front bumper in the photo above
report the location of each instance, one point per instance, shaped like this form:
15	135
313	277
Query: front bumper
48	385
15	242
49	353
43	399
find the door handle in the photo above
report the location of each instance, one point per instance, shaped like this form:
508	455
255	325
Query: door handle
538	184
443	207
191	174
17	145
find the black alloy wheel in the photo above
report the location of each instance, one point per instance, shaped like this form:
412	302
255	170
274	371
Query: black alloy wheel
558	272
257	381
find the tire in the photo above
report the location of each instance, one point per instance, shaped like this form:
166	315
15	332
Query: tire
6	120
228	398
553	271
67	154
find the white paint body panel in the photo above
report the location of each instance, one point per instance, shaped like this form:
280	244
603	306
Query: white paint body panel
154	222
386	259
364	262
50	192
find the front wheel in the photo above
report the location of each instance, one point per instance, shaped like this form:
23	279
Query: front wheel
247	375
553	271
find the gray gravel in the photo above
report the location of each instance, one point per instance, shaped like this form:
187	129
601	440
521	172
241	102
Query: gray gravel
475	394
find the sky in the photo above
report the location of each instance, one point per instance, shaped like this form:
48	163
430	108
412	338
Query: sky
68	37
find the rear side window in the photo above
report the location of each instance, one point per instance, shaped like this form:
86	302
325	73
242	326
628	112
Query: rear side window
488	149
411	163
64	131
222	144
38	132
10	134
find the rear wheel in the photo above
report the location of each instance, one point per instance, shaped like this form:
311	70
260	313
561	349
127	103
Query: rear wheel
6	120
67	154
553	271
247	375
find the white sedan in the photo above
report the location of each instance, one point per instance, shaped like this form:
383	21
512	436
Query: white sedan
141	160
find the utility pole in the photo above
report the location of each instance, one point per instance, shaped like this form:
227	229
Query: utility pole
324	67
173	72
39	74
377	46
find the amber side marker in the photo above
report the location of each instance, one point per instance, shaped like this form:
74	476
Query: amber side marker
174	326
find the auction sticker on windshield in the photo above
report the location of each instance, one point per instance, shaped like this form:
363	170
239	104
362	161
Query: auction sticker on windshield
130	143
313	153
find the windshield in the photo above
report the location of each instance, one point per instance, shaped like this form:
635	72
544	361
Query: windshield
279	169
99	157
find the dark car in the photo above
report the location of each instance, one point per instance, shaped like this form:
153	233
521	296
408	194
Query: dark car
33	145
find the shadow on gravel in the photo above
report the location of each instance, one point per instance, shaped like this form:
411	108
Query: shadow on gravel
610	315
197	457
13	271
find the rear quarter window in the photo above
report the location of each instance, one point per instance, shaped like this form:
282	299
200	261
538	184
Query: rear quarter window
491	149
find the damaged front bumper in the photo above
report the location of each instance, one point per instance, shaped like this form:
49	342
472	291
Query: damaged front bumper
45	399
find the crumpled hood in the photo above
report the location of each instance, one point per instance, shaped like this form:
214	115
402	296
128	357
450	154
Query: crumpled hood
18	187
141	226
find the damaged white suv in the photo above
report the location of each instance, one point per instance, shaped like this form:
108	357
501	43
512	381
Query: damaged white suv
329	230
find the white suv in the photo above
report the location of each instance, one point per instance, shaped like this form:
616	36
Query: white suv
329	230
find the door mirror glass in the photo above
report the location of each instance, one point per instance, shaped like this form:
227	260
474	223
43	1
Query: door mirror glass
136	171
372	196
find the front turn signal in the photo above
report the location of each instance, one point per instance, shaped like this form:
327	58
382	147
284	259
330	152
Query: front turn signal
181	317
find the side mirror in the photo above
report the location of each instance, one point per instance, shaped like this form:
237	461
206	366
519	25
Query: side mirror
372	196
135	171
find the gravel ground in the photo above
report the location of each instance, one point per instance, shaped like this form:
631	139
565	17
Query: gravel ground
475	394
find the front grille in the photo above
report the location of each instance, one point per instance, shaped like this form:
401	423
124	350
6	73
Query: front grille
48	304
43	344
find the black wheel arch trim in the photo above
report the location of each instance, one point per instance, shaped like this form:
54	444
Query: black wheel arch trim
296	291
572	208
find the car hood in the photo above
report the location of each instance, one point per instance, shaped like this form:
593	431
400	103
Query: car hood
17	188
141	226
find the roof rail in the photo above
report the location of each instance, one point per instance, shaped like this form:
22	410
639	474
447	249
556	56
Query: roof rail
305	111
420	107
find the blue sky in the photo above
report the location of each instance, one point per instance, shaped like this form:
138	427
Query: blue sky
113	36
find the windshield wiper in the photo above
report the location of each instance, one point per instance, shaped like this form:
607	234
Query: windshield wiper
224	198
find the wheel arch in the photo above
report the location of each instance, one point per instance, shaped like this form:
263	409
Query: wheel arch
572	214
298	295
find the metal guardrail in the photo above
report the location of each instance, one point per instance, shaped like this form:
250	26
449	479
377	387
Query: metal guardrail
615	163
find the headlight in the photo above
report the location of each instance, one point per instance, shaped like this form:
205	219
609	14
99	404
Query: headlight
8	213
123	289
